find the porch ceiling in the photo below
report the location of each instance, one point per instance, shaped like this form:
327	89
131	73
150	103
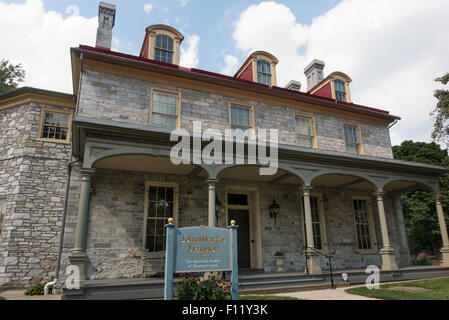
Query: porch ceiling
342	181
252	173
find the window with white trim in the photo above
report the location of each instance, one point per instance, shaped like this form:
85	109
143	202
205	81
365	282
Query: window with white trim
363	224
163	50
164	109
352	138
340	90
160	206
304	131
263	72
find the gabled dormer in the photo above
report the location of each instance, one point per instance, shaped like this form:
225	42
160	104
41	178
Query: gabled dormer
260	67
162	44
334	86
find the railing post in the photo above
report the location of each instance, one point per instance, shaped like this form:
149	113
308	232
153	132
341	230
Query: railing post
169	259
234	262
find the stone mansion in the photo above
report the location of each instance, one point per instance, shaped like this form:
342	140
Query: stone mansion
86	178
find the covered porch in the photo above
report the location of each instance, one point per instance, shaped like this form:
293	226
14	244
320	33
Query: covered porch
336	203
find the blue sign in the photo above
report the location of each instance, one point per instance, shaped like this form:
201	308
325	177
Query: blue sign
200	249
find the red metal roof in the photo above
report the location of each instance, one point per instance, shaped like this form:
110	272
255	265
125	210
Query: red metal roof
221	76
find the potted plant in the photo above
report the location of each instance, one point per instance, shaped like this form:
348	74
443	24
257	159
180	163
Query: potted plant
279	256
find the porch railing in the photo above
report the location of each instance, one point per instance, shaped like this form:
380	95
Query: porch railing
328	256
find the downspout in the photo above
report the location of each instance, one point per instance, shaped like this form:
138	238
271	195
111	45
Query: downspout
391	125
66	197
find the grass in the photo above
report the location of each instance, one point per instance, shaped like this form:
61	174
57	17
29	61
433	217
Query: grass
2	298
438	290
266	298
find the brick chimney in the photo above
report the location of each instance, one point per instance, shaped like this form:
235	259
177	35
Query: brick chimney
314	73
106	19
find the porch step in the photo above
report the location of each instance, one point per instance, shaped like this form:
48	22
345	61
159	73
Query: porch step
293	288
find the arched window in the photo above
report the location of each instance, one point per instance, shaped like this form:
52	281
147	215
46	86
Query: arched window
163	49
340	90
263	72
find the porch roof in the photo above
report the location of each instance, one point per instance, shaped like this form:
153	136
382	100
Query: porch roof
146	134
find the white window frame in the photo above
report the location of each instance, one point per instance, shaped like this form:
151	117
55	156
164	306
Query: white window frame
175	187
372	229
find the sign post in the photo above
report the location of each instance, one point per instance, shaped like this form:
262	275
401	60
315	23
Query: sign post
200	249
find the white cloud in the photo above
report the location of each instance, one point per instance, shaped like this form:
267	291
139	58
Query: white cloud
189	56
147	7
41	41
231	64
393	50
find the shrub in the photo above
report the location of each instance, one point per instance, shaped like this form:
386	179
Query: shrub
422	259
36	290
279	253
192	287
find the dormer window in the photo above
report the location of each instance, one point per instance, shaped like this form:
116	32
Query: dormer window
263	72
162	43
163	49
340	90
260	67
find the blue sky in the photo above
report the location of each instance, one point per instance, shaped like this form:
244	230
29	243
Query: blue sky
392	50
212	21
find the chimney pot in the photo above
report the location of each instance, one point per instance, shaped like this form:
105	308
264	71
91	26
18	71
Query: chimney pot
314	73
106	21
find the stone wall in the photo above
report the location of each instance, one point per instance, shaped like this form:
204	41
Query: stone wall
107	96
33	177
117	213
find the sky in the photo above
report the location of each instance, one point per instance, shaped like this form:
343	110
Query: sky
392	50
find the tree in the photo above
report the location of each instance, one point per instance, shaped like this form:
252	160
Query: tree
441	112
420	214
10	75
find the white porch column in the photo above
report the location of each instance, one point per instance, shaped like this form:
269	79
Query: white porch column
387	252
211	211
445	249
313	261
404	249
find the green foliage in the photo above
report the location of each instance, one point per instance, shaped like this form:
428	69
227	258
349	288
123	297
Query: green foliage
10	75
441	112
2	298
192	287
36	290
420	214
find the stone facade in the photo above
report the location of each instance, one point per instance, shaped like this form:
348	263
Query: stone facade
33	178
107	96
117	203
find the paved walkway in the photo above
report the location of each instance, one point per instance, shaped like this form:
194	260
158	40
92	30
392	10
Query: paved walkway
327	294
19	295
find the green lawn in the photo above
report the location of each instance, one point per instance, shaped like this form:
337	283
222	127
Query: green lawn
438	290
266	298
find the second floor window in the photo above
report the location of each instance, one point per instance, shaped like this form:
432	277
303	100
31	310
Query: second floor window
165	109
340	90
263	72
163	49
55	126
352	139
304	131
241	117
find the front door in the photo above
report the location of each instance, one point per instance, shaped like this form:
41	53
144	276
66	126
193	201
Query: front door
241	218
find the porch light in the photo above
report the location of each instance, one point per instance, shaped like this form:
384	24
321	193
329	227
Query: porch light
274	211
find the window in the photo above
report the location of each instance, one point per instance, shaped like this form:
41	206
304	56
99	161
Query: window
263	72
241	117
319	236
55	125
161	205
164	48
165	109
352	138
304	131
2	212
340	90
363	224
